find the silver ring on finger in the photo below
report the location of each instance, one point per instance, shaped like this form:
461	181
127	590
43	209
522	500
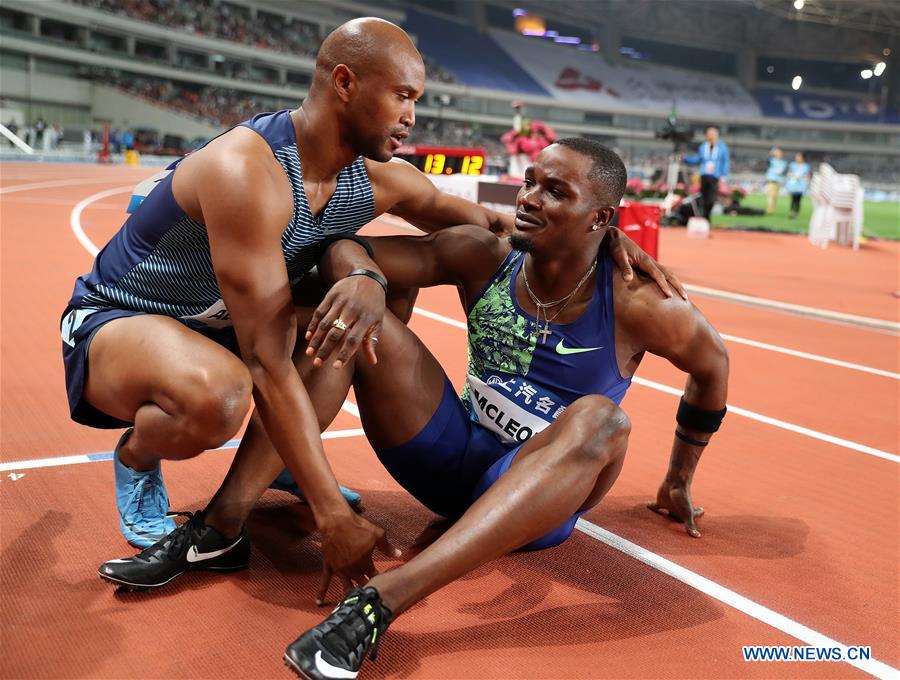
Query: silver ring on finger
340	324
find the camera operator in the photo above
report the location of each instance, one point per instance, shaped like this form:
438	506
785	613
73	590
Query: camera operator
713	158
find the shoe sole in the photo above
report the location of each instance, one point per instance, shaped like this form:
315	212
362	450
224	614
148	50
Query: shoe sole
294	667
138	587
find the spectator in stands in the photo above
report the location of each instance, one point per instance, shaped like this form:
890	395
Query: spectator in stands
48	141
13	127
774	177
714	160
40	125
798	174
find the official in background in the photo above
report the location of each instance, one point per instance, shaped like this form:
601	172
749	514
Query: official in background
798	174
714	160
775	176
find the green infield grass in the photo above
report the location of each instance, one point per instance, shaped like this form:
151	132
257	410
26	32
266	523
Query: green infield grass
880	220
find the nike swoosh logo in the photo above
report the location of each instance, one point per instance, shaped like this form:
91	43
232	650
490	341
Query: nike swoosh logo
196	556
330	671
562	349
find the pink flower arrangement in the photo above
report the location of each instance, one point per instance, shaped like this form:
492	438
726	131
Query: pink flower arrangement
539	135
634	186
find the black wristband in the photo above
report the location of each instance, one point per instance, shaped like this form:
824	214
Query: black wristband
372	275
690	440
328	241
700	419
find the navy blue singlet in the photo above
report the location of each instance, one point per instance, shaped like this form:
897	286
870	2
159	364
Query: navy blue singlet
159	262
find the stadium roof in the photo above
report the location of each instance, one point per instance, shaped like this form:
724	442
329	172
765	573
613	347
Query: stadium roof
840	30
881	16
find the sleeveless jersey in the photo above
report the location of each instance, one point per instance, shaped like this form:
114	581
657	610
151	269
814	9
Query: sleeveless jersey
159	262
518	384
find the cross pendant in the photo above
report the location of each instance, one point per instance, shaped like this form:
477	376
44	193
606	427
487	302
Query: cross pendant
544	333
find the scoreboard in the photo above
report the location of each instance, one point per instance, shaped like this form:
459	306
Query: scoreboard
444	160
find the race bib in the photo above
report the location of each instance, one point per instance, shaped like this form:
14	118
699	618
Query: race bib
511	407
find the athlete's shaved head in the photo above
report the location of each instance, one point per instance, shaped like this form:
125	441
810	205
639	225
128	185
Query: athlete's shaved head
365	45
369	75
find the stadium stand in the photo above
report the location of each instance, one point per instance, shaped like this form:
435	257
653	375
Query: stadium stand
621	100
227	22
464	54
576	75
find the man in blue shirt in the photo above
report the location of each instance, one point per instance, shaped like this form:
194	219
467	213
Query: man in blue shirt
714	161
774	177
798	174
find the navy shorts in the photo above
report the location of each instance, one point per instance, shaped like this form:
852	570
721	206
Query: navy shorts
453	460
77	328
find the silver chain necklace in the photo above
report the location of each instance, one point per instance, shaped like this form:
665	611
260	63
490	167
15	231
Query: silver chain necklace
542	306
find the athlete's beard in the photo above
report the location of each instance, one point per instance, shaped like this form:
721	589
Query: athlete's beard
523	243
373	146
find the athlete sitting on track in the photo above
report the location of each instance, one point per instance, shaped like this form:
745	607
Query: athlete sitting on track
204	267
537	438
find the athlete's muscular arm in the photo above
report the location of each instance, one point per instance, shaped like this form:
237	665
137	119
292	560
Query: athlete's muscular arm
244	230
676	330
402	190
465	256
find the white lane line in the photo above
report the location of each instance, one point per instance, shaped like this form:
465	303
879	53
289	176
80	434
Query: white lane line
395	222
56	461
440	317
811	357
43	200
651	559
737	410
752	415
75	221
107	455
692	579
821	436
350	408
802	310
75	217
728	296
732	599
51	185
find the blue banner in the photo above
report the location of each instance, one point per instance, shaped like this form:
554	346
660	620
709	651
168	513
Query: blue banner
783	104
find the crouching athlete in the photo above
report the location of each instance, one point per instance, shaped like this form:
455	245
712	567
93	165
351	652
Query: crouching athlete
537	438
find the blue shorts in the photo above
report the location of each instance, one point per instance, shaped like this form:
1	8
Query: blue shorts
78	328
453	460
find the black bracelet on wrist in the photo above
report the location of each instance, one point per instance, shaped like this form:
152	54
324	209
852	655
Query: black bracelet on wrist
689	440
372	275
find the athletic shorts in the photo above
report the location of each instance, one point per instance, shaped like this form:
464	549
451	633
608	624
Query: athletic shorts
77	328
452	461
